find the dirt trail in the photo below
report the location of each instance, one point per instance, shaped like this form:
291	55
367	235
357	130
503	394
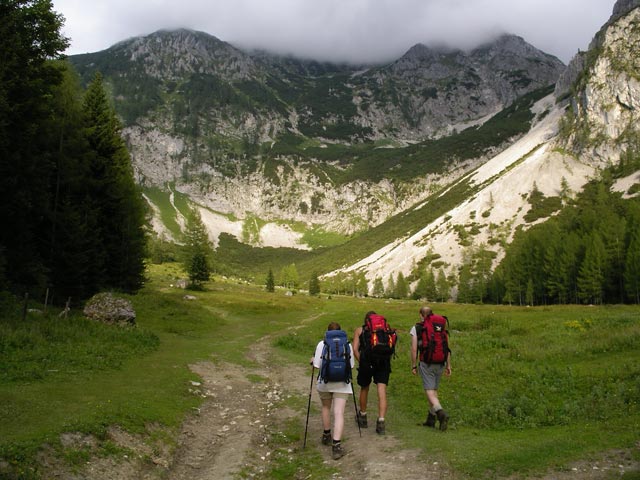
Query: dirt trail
229	432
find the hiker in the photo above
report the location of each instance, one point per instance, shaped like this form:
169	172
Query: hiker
333	393
430	340
373	366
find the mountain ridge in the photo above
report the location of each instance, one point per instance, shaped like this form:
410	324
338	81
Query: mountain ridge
304	146
180	133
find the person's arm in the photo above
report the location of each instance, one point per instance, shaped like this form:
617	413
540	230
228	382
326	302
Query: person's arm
316	361
356	343
414	351
447	370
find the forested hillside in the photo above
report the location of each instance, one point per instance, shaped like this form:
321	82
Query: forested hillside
588	253
73	219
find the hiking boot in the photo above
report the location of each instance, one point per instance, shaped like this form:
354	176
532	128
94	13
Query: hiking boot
337	451
326	438
380	427
443	418
361	420
431	421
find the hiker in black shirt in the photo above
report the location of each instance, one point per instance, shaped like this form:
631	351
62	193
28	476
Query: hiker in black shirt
371	367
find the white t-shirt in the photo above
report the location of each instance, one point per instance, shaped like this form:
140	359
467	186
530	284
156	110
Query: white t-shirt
335	387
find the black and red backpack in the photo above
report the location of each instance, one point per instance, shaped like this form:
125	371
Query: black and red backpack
433	339
377	337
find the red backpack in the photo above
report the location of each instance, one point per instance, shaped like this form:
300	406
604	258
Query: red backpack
377	336
433	339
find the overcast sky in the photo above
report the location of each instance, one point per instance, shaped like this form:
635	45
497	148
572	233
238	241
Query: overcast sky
341	30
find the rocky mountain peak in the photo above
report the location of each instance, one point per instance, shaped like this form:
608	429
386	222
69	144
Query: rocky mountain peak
579	62
176	52
508	44
622	7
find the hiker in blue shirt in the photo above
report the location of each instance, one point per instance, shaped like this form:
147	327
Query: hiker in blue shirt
333	394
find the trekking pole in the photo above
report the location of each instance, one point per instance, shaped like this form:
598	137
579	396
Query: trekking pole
313	368
356	408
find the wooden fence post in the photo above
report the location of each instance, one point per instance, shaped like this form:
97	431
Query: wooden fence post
24	310
46	300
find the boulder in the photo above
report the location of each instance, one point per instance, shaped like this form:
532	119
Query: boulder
107	308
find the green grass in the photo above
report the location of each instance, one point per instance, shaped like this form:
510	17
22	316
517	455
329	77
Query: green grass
532	388
160	199
318	237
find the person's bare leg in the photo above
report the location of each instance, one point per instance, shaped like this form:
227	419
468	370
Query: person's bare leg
382	400
326	414
339	405
364	396
432	397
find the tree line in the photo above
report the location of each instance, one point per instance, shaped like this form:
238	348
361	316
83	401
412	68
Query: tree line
588	252
73	219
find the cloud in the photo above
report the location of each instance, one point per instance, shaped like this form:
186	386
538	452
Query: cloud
341	30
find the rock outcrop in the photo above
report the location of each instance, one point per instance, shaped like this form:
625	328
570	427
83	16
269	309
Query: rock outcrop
606	105
107	308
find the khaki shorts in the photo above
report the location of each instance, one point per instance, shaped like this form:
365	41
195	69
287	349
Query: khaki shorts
332	395
431	375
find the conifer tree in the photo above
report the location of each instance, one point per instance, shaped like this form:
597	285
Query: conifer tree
465	283
443	287
591	273
421	288
430	285
31	39
362	286
289	276
294	277
116	198
632	263
270	283
314	284
378	288
72	232
391	287
402	290
197	249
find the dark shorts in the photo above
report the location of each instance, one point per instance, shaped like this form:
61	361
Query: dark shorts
376	369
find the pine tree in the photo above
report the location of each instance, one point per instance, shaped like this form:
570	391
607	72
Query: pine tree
465	284
314	284
116	198
591	275
402	290
529	296
443	287
197	249
362	286
632	266
289	277
270	283
421	288
378	288
391	288
294	278
31	38
72	223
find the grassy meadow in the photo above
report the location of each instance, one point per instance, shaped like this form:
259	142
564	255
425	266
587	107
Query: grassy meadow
532	388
